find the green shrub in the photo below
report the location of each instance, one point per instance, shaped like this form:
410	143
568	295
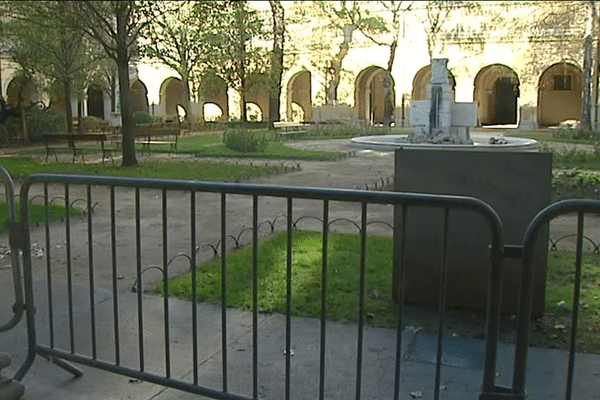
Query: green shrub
40	121
245	141
140	117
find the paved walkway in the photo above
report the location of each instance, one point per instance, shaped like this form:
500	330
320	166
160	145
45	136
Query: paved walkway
463	359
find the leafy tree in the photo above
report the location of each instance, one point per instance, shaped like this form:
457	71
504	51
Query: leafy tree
334	20
233	56
61	54
116	26
276	67
177	38
374	26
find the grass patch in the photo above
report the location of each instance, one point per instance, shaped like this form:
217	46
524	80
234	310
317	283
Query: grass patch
37	214
21	167
343	280
553	330
572	136
212	145
343	277
273	150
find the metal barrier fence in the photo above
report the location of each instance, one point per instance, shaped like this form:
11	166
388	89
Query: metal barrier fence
137	208
18	307
581	208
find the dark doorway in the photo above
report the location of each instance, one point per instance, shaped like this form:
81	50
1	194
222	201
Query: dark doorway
506	91
95	103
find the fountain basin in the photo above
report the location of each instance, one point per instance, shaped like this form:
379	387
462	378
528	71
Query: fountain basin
480	143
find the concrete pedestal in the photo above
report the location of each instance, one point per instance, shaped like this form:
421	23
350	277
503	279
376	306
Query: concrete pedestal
516	185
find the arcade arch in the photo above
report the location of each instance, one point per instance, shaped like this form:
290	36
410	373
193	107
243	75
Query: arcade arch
296	114
95	102
213	112
299	95
421	83
259	95
369	95
496	89
19	91
139	97
217	88
254	112
559	94
172	95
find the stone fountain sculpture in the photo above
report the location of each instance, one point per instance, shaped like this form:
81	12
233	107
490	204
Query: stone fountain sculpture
440	119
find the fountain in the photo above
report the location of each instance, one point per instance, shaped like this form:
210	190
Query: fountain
443	124
506	173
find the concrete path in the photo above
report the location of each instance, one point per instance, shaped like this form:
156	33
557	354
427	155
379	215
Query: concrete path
463	359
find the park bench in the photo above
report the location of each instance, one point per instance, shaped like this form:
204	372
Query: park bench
157	134
288	130
73	143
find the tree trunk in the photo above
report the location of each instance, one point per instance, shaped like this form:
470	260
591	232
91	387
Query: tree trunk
388	104
68	107
79	116
336	65
187	100
586	95
125	92
276	62
24	124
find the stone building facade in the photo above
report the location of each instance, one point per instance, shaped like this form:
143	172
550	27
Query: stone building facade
523	70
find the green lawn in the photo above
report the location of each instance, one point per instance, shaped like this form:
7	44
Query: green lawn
558	135
37	214
21	167
343	279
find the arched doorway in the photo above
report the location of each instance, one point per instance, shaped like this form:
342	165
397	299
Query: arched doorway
296	114
299	95
19	91
559	94
421	83
213	90
139	97
254	112
496	89
369	95
95	102
259	95
212	112
172	94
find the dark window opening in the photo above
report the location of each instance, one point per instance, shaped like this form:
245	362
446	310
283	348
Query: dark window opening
563	82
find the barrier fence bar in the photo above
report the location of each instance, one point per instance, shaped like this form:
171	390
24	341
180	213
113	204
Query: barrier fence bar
194	274
165	263
361	298
288	291
115	288
49	266
69	270
11	217
224	289
401	257
138	249
255	296
91	273
324	283
575	312
256	192
441	307
581	207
